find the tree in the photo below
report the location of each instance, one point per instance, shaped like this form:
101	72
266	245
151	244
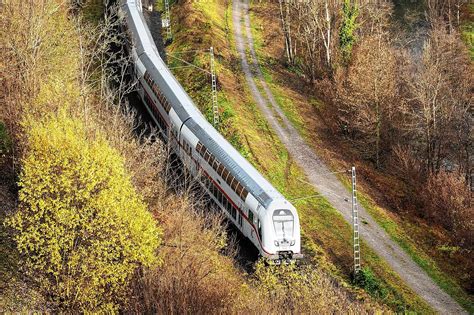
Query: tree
319	32
80	226
367	94
286	19
440	84
347	38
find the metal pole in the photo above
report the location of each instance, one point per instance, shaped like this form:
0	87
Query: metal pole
166	19
215	108
355	223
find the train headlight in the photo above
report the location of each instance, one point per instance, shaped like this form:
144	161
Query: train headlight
277	243
292	242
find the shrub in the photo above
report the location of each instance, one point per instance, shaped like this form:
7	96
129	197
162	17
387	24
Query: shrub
302	289
447	201
347	38
366	279
80	225
194	277
5	142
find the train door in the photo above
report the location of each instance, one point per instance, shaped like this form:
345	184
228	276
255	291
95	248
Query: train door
174	138
253	227
240	219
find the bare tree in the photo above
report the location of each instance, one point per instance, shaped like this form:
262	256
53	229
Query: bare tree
448	10
441	86
367	94
286	18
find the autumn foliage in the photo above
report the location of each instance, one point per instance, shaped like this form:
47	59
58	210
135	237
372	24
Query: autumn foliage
80	226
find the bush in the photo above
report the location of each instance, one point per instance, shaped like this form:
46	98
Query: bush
194	278
80	225
302	289
5	142
447	201
366	279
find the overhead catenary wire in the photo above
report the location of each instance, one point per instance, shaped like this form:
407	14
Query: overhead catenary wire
345	198
306	197
189	64
212	73
192	51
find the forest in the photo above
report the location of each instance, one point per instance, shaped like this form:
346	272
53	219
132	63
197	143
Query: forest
399	87
94	218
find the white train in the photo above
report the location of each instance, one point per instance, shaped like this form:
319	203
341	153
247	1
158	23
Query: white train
250	202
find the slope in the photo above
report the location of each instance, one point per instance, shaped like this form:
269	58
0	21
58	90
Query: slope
321	177
197	26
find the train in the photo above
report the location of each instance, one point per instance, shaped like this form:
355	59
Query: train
247	199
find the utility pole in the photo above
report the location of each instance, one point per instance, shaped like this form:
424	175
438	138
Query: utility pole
212	72
215	108
355	223
166	20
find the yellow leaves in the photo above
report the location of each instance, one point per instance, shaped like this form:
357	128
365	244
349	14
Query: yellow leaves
81	225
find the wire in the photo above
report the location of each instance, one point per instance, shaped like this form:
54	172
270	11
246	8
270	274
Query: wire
307	197
190	64
325	190
191	51
180	67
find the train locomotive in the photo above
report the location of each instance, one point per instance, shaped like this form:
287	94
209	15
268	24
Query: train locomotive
247	199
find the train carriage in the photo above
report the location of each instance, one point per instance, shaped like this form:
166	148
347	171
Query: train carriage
248	200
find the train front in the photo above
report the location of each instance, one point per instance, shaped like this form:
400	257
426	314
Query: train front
281	229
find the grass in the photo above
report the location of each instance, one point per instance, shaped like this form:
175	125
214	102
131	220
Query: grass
467	30
283	100
396	232
93	10
326	235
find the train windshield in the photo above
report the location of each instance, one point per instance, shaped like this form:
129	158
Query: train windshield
283	224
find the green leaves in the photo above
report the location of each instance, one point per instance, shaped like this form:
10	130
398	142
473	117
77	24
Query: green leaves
81	227
347	38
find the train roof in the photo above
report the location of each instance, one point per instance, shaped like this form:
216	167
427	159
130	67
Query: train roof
186	110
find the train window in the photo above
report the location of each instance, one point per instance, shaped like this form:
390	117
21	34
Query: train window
251	217
198	147
239	189
244	194
167	106
210	160
225	173
240	219
201	150
259	229
220	169
234	212
229	207
229	180
206	156
234	184
215	165
221	197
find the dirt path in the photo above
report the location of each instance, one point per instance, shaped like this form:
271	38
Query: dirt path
327	184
